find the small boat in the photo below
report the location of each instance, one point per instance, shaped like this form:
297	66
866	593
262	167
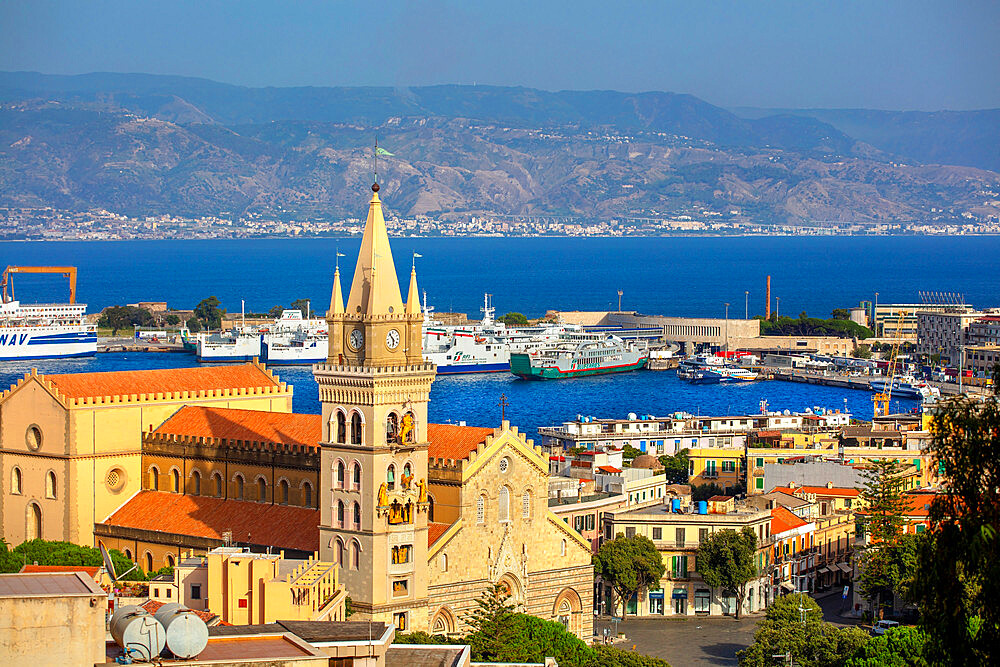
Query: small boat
721	374
905	386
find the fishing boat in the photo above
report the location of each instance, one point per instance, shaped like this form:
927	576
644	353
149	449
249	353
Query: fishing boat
579	354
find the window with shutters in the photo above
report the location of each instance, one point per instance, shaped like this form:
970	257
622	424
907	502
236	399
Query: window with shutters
481	509
526	505
679	538
630	531
657	533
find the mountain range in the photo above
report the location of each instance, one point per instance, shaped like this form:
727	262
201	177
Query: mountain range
147	144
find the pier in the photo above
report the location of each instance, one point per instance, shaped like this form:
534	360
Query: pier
858	381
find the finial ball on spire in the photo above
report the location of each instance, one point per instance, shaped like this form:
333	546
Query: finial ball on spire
374	187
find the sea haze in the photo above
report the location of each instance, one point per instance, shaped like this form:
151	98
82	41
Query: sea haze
664	275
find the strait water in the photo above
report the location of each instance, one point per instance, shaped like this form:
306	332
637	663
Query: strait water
664	275
474	398
678	276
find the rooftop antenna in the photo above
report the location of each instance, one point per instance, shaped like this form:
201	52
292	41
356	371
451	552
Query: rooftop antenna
375	163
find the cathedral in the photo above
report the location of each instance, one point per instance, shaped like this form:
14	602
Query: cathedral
421	518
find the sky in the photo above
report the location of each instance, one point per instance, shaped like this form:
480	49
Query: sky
884	54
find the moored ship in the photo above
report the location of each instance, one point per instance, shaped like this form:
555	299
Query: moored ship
577	355
44	330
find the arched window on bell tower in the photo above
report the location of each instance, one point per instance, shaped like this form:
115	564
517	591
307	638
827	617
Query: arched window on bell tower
356	429
390	477
341	427
391	427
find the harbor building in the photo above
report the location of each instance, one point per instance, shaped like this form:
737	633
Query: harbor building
884	318
943	333
677	530
70	445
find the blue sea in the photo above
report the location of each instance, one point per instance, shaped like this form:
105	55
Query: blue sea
679	276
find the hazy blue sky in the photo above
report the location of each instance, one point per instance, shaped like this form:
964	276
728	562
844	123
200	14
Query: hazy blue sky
802	53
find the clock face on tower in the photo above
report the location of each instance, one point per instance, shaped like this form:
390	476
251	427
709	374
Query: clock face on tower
357	339
392	339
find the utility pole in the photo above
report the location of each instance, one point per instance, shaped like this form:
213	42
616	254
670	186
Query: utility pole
777	307
620	301
727	327
746	306
874	320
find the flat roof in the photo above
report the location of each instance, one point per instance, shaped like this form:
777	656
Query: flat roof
244	648
310	631
416	655
48	584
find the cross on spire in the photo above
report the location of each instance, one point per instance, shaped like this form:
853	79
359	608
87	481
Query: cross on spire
503	404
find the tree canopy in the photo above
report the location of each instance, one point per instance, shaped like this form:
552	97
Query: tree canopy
899	647
117	318
957	583
726	561
629	564
208	313
48	552
514	319
883	559
794	624
676	467
813	326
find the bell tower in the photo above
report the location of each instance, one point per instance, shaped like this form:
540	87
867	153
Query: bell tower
374	388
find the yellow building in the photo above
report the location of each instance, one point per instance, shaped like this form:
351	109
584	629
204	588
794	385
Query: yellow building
70	445
724	466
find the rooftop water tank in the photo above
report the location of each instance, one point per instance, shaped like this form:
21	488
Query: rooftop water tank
702	507
141	635
675	505
632	416
186	633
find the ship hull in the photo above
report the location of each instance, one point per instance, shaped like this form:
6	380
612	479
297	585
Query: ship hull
520	365
473	368
23	343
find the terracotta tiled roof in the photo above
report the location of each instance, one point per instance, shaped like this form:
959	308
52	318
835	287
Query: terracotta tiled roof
436	530
448	441
839	491
768	434
152	606
280	526
117	383
257	425
91	571
783	520
609	469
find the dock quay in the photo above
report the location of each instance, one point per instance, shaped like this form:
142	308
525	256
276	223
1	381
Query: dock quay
856	382
133	345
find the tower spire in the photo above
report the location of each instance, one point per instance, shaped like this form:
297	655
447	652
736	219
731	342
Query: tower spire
375	287
337	298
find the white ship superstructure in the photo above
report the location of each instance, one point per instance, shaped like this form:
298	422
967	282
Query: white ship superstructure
45	331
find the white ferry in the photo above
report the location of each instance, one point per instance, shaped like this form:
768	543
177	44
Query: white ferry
289	339
44	330
240	345
481	348
299	348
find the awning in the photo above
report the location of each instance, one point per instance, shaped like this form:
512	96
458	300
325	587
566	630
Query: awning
655	595
824	570
844	567
787	587
680	593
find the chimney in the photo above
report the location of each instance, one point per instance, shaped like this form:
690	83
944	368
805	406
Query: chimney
767	306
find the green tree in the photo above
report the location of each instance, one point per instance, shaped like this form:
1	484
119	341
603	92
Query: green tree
899	647
726	561
863	352
208	313
610	656
514	320
629	453
882	525
794	624
49	552
841	314
305	305
420	637
172	319
117	318
275	311
193	325
957	583
492	625
676	467
629	564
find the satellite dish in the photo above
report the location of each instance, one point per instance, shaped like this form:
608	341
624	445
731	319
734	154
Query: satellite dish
108	565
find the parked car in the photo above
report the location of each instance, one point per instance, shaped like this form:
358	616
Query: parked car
882	627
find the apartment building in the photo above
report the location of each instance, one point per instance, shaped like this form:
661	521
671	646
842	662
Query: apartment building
943	333
677	529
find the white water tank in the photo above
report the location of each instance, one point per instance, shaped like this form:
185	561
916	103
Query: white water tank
186	633
137	632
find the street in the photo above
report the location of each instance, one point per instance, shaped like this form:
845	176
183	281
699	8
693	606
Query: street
702	641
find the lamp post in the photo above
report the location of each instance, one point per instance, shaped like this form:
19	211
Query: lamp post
777	307
875	321
746	305
727	328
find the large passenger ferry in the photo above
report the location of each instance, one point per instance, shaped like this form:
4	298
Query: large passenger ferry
44	330
579	354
